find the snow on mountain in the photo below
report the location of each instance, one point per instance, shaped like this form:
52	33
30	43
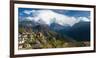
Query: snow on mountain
49	16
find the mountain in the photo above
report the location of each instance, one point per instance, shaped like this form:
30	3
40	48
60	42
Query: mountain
49	31
79	32
58	27
41	35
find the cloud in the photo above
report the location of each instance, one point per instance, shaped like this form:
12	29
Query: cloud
49	16
84	19
30	18
29	11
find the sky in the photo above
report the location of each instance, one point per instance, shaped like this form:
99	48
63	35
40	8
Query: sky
63	17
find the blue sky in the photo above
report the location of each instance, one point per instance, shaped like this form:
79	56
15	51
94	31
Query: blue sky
63	17
74	13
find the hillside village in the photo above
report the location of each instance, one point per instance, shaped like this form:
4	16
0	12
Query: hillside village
37	40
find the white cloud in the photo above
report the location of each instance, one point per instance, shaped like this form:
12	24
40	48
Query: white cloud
29	11
29	18
66	20
84	19
48	15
